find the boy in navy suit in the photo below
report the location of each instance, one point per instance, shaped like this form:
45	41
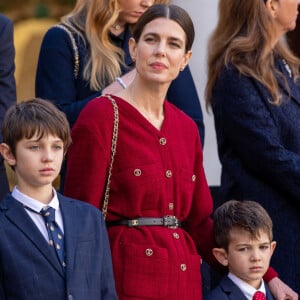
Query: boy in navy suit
243	232
64	258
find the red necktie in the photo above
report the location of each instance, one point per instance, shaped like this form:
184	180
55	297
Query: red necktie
259	296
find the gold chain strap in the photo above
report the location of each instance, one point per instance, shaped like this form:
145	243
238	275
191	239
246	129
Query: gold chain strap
74	46
113	153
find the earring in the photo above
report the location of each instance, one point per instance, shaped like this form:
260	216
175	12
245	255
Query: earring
181	69
133	59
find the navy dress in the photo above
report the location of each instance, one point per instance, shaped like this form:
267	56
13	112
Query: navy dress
7	84
55	79
259	149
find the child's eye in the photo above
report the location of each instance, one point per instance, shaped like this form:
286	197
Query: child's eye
34	147
243	249
58	147
264	247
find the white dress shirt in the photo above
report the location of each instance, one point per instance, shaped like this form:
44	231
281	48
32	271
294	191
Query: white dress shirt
247	289
36	206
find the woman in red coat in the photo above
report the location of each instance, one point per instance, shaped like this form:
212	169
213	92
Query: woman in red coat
159	202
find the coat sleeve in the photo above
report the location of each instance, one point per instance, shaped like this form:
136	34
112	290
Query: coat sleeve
55	80
183	94
199	223
7	67
248	132
89	154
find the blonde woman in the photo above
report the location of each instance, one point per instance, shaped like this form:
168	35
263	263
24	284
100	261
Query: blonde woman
101	30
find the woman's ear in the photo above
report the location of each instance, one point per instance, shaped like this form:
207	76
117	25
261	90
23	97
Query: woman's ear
221	255
272	7
132	48
7	154
273	246
186	60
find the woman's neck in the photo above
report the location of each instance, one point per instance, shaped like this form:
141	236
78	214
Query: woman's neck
147	101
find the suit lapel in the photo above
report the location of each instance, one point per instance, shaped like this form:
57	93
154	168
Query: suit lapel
17	215
231	289
70	217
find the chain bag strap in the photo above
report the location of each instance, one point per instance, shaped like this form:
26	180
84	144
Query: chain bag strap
74	46
113	153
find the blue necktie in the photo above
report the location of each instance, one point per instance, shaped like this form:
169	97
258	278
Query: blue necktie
56	237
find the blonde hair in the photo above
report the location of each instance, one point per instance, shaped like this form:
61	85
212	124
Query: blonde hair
92	20
243	37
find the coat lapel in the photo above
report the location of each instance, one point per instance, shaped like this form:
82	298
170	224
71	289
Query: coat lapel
293	90
17	215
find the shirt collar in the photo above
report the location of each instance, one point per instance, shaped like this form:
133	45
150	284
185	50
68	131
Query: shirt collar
34	204
247	289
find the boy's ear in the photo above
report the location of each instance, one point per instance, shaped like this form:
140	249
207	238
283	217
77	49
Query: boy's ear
273	246
7	154
221	255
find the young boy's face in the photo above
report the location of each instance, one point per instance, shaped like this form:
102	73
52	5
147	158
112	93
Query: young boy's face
37	162
248	258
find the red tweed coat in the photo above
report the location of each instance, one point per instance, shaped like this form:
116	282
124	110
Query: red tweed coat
155	173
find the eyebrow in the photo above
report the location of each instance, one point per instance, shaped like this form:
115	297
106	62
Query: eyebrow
173	38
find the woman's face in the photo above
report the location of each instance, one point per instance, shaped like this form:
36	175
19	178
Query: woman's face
160	51
131	10
285	14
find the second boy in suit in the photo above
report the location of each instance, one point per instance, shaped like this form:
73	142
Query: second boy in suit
243	233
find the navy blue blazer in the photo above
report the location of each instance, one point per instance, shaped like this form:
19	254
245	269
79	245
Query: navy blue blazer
29	269
228	290
55	78
7	84
259	149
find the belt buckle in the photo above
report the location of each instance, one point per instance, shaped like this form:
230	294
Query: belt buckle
133	223
170	222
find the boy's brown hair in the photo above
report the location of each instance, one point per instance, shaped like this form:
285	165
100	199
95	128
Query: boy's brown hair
34	116
247	215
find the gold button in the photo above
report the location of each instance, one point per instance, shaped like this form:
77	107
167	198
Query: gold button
149	252
194	178
176	235
169	173
137	172
171	206
183	267
162	141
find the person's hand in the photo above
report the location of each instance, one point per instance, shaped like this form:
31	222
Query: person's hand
116	87
281	291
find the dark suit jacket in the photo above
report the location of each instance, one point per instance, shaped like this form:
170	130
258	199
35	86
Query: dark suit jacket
259	149
228	290
29	269
7	83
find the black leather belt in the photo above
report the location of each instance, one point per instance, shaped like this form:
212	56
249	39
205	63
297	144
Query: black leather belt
167	221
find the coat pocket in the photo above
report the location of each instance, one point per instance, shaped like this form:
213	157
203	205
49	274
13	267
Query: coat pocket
145	271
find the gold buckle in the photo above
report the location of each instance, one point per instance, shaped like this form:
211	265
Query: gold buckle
132	223
170	222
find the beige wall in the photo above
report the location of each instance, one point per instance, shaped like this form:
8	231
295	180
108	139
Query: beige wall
204	15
